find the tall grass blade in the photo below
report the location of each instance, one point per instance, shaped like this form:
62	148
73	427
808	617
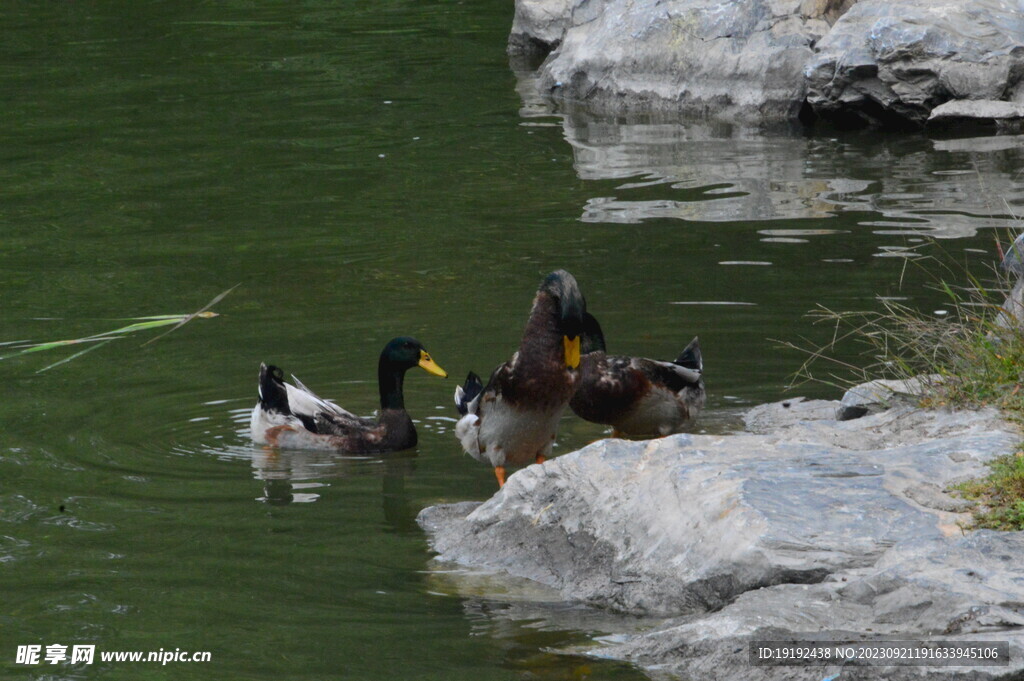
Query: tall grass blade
140	324
77	354
201	312
57	344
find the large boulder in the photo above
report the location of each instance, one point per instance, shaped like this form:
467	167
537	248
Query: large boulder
740	60
538	26
1004	116
965	590
685	524
800	525
877	62
893	62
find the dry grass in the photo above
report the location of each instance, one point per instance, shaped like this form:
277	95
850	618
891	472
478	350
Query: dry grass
968	357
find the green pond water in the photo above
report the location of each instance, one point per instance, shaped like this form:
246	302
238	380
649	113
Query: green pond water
365	170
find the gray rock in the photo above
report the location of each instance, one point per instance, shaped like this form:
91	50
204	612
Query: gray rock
1011	313
1013	261
1006	115
538	26
804	526
963	589
741	61
893	62
879	395
686	524
775	416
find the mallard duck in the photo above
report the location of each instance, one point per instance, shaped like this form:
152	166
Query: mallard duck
513	420
638	397
292	416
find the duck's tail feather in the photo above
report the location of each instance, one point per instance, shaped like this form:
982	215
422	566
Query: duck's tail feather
690	357
272	391
467	392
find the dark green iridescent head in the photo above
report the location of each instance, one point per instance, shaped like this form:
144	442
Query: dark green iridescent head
398	356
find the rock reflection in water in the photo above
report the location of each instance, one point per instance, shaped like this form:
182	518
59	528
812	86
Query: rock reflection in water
714	172
535	631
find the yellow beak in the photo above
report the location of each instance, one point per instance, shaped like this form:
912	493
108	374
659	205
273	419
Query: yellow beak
428	365
572	351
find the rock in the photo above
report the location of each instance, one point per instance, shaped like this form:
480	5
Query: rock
538	26
803	527
768	418
1013	261
893	62
1011	313
741	61
966	589
879	395
686	524
929	495
1006	116
882	63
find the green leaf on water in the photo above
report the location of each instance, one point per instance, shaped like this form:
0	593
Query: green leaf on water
77	354
202	312
175	321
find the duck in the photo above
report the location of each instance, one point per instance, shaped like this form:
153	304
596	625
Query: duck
513	419
637	397
294	417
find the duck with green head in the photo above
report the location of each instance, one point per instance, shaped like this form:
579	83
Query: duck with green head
293	417
513	420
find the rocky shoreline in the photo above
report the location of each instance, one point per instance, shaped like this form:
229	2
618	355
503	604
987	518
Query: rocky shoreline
887	63
802	526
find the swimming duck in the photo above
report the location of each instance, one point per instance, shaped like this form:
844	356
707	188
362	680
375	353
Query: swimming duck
638	397
292	416
513	420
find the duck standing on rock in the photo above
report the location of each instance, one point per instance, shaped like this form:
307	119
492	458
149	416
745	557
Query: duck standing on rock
637	397
292	416
513	420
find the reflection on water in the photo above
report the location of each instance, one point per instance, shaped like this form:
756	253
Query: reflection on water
531	626
710	172
734	177
292	477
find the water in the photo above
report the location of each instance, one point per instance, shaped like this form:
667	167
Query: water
364	171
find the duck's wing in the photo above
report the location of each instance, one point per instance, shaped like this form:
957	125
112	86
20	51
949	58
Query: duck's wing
323	416
502	384
687	371
609	388
612	377
474	401
472	396
347	425
669	374
302	400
